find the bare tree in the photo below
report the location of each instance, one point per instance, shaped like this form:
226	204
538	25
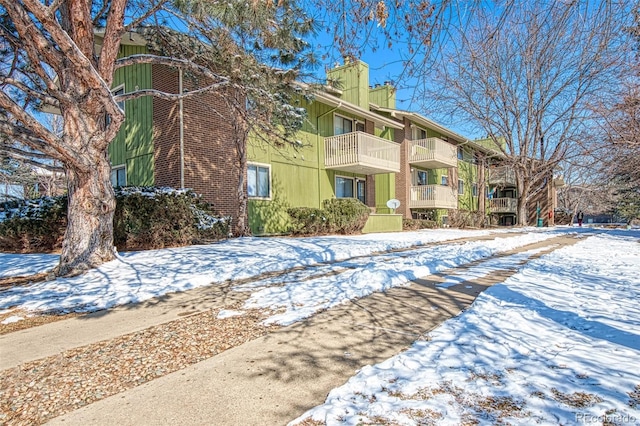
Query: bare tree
618	151
63	54
525	73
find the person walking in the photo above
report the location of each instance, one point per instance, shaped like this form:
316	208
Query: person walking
580	218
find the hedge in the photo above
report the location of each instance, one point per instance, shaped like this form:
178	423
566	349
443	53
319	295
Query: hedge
337	216
145	218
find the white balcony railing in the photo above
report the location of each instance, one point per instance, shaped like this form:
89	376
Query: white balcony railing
360	152
432	153
502	176
503	205
433	196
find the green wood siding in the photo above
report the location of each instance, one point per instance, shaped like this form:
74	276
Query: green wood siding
467	171
140	170
383	223
353	81
385	190
133	145
383	96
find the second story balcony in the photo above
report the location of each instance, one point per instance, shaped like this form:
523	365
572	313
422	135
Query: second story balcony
432	153
503	205
502	176
433	197
360	152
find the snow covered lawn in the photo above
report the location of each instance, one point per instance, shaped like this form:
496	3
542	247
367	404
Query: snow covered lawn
556	343
138	276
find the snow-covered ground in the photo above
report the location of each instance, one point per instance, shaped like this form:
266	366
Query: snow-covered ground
301	294
138	276
556	343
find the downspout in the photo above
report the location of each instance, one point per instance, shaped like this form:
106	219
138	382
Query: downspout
181	130
318	148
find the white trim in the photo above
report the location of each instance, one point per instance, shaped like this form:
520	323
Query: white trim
264	166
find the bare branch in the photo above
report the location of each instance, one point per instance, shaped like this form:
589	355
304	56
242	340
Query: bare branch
169	61
170	96
137	22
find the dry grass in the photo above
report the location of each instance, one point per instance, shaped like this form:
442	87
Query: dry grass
423	417
576	399
310	422
634	397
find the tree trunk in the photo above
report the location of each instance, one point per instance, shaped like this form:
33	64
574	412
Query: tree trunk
241	133
88	240
523	187
242	226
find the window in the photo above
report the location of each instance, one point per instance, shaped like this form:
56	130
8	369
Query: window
342	125
474	189
258	181
460	153
460	187
445	220
422	177
444	180
344	187
418	133
119	176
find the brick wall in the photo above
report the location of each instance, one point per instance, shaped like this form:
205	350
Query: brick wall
403	179
166	145
210	157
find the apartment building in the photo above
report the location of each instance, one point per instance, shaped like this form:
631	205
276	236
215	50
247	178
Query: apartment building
355	143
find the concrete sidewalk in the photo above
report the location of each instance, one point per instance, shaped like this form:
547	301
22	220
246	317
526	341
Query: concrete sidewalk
275	378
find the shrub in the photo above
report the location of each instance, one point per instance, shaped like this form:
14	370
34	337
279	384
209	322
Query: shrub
308	220
145	218
467	219
344	216
416	224
33	225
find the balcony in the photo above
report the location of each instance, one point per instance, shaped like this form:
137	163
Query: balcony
432	153
433	197
502	176
503	205
360	152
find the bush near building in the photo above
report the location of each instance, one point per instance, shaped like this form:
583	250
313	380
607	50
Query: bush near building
337	216
145	218
417	224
